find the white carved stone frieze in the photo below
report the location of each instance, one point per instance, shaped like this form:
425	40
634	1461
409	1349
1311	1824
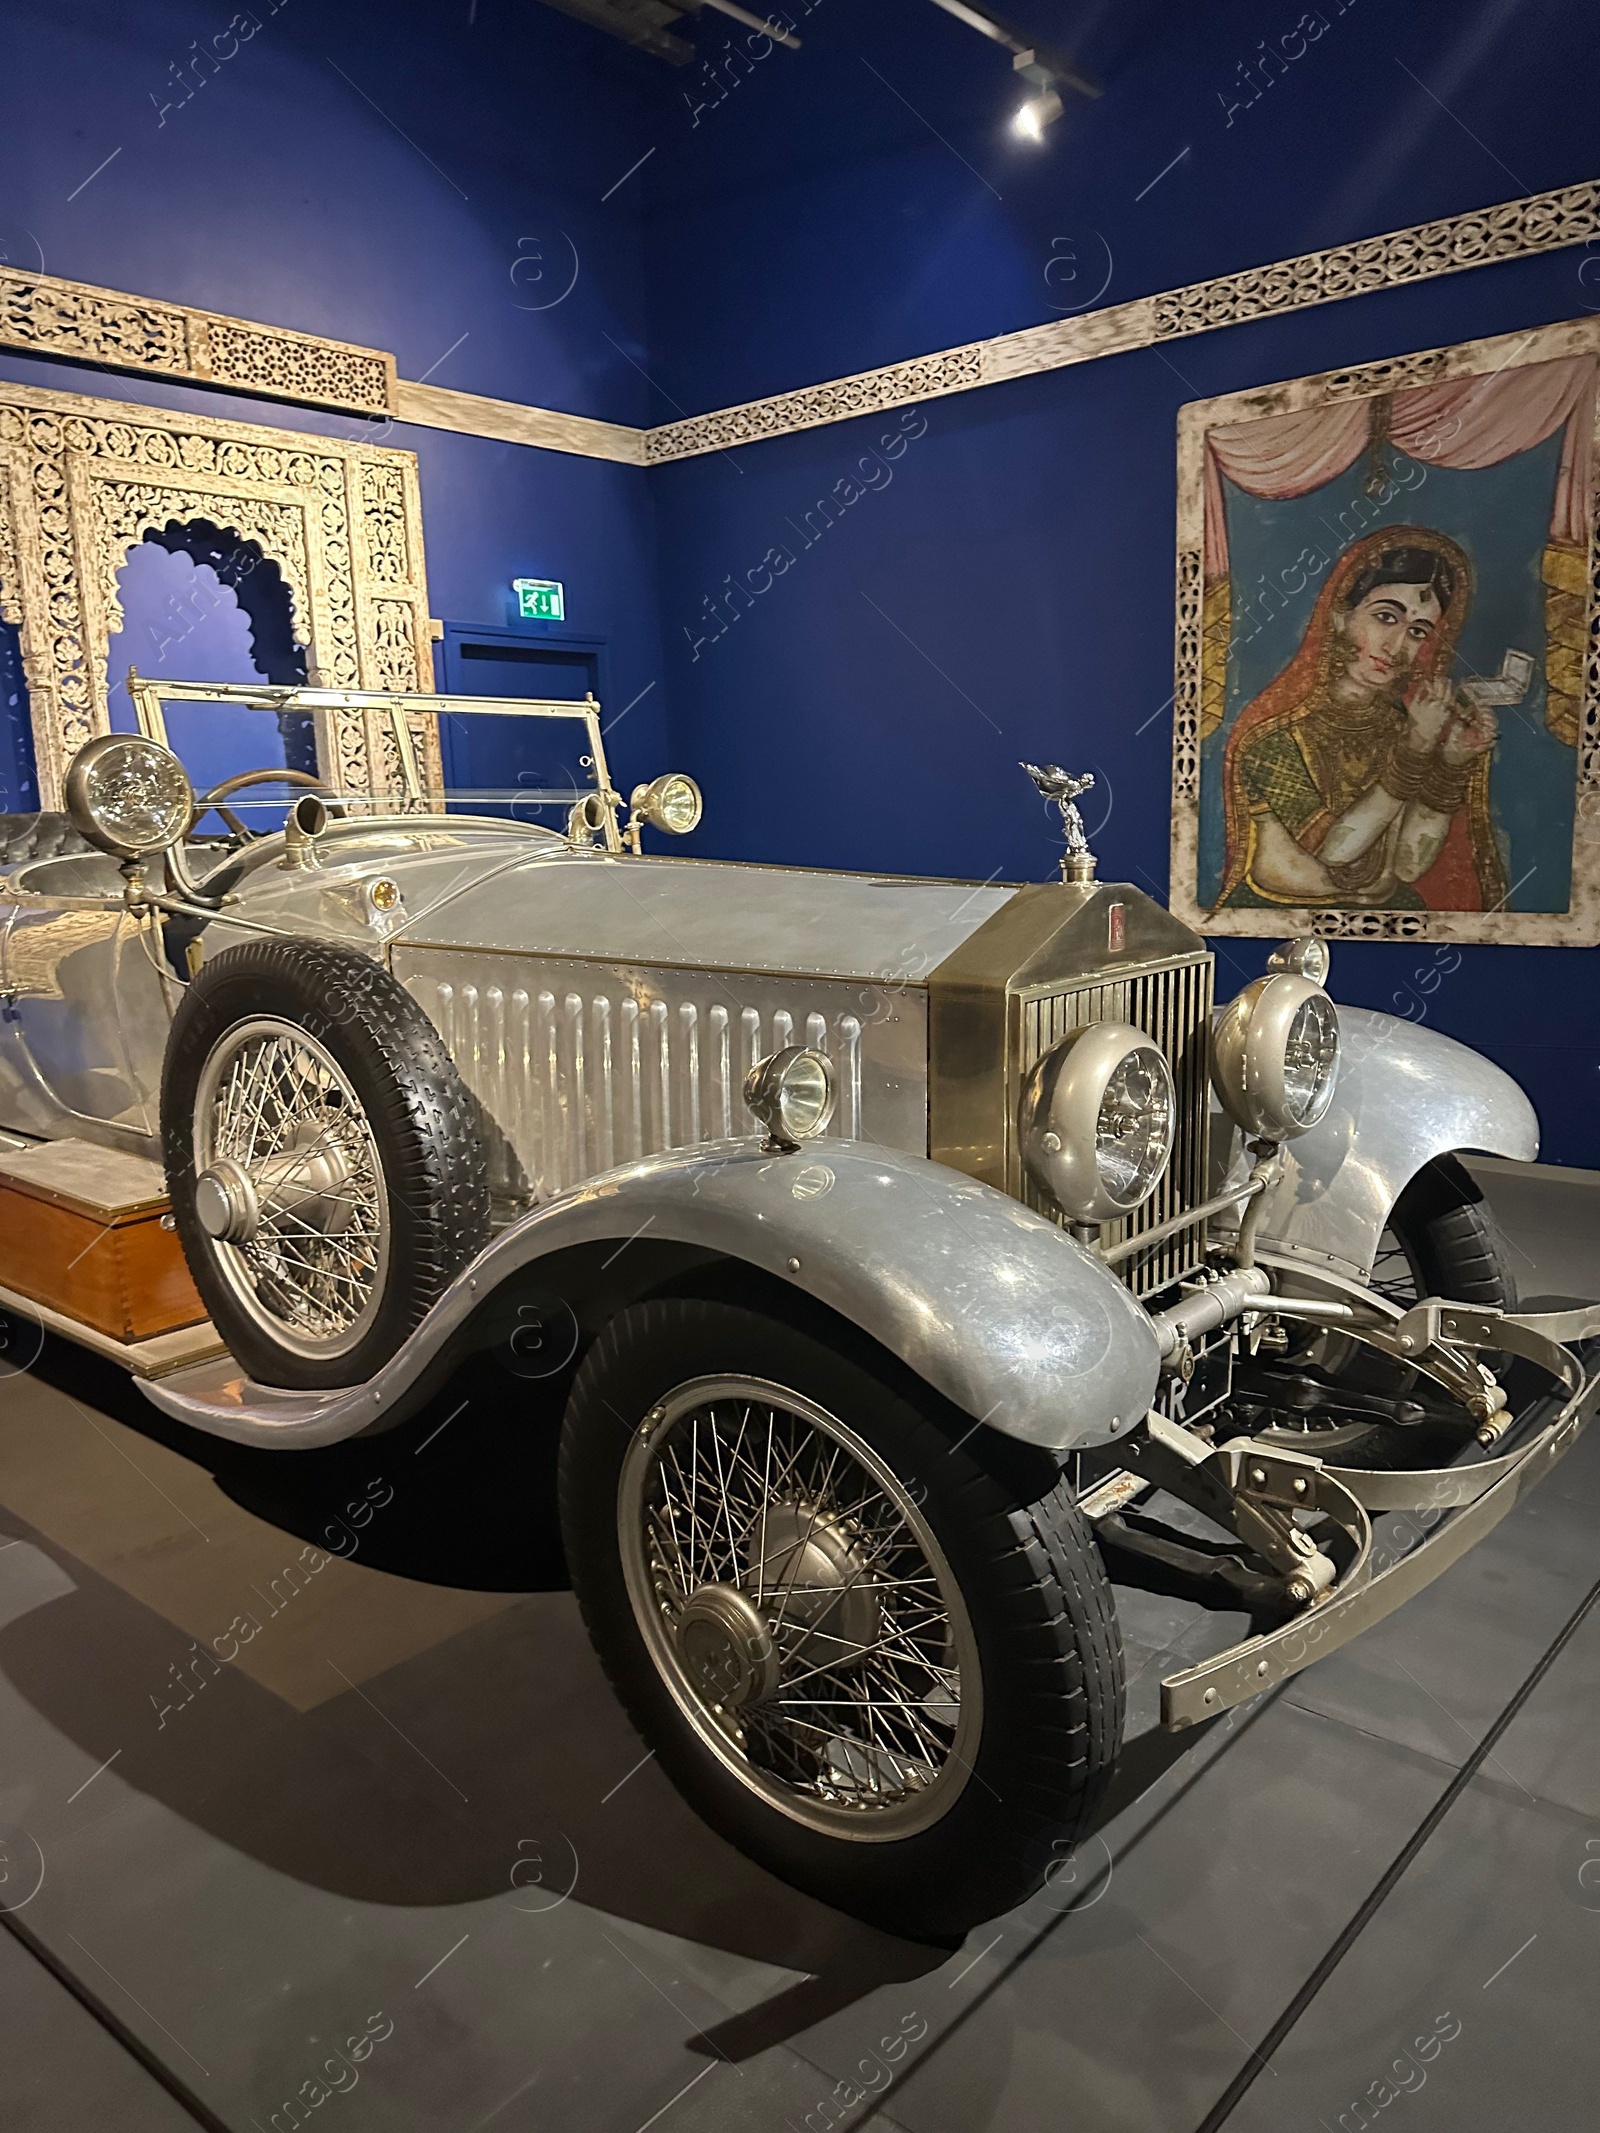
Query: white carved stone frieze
927	378
1543	222
45	316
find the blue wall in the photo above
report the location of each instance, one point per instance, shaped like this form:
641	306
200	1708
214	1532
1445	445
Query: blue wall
399	175
279	192
1001	584
864	200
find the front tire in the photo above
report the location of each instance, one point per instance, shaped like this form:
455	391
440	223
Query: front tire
1445	1243
1440	1240
323	1158
871	1642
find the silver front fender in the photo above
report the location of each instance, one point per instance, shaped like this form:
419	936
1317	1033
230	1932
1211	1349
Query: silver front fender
1405	1095
995	1307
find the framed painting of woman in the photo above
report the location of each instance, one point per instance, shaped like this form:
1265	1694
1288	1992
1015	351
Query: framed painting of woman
1387	716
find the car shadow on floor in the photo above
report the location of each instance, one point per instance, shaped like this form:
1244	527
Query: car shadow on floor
434	1781
486	1520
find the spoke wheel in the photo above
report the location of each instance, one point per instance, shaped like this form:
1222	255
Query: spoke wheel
1394	1272
290	1187
327	1173
869	1640
799	1608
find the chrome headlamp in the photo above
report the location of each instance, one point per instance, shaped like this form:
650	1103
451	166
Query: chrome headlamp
1275	1056
793	1094
129	796
1097	1121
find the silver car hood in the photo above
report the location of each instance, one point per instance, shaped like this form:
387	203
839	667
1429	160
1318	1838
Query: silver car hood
484	889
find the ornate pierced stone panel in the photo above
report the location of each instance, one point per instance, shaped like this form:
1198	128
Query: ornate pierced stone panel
47	316
82	481
1186	690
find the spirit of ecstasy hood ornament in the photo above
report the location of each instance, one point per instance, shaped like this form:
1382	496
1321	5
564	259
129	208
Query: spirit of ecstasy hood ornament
1077	861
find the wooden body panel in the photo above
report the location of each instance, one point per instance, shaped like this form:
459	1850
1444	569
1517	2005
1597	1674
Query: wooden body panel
100	1258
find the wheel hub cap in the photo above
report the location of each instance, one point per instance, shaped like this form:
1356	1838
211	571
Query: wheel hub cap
304	1180
225	1201
726	1647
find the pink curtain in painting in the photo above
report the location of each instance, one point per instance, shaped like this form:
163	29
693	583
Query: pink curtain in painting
1468	422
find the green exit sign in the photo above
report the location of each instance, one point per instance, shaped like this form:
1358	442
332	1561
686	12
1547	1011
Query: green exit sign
540	599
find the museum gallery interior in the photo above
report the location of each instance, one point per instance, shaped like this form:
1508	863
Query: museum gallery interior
799	1144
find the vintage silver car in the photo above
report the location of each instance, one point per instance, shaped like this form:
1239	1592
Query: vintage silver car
917	1257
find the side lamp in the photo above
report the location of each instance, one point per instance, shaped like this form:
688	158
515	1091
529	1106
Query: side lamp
671	803
792	1093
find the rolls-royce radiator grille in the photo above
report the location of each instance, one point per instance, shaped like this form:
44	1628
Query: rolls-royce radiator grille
1172	1005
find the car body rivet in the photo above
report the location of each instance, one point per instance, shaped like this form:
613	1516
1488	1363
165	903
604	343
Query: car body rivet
1210	1696
1262	1669
794	1266
1300	1485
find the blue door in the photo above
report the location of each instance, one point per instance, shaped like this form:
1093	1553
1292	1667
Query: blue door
19	782
502	766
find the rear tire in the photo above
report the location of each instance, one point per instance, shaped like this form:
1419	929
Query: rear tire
973	1705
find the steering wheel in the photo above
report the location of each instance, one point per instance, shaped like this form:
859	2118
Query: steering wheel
273	776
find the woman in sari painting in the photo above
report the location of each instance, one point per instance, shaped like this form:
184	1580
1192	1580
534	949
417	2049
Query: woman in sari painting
1360	776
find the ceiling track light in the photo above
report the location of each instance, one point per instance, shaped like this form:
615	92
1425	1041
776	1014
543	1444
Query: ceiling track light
1047	72
1036	113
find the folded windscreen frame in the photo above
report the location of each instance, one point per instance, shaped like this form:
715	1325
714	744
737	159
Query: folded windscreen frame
560	743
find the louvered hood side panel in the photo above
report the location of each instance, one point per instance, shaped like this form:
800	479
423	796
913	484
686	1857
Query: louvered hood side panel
581	1066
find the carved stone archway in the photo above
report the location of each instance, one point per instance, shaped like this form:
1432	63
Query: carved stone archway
82	480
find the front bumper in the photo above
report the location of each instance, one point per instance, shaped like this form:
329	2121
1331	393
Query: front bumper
1466	1501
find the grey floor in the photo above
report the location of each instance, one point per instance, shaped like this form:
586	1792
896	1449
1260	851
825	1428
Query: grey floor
405	1846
